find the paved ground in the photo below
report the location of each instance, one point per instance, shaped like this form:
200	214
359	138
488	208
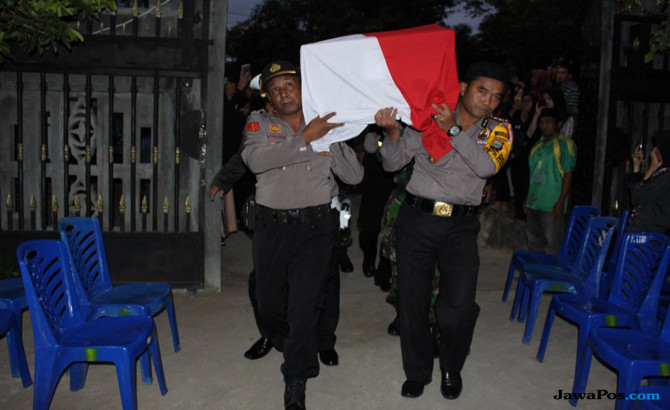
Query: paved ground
216	328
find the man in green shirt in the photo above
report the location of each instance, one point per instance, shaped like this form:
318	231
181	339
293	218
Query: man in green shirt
552	163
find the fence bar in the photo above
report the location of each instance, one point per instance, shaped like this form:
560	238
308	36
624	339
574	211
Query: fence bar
157	34
110	141
33	207
54	213
10	205
43	153
133	151
66	147
177	118
154	182
87	131
19	145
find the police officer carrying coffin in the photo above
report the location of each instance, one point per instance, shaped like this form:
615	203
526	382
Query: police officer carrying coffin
295	227
438	224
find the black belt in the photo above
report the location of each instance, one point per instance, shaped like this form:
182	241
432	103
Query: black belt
292	216
439	208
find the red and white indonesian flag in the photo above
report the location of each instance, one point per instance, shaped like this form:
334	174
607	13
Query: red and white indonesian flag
359	74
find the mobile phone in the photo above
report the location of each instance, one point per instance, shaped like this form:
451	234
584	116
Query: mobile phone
246	68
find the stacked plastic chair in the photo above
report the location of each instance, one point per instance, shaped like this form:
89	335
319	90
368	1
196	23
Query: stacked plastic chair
627	305
634	354
65	339
574	233
562	277
13	301
83	239
605	283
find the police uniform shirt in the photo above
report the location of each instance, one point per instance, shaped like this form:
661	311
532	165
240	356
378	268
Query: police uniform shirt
458	177
289	174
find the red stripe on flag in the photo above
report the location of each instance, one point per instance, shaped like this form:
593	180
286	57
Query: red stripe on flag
422	63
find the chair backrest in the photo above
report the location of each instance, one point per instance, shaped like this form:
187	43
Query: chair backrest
619	234
636	277
592	252
83	240
47	280
574	233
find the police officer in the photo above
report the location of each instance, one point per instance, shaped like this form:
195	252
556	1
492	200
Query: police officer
295	228
437	223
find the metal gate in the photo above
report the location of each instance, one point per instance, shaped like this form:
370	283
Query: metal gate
115	130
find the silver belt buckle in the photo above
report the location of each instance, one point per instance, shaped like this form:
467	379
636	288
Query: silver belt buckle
442	209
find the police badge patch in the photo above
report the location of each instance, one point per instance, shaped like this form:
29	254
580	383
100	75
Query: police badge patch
499	144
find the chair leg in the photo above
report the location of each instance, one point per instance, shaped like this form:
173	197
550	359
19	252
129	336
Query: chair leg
518	296
524	304
47	373
510	279
78	372
534	307
17	356
155	350
582	369
173	324
626	384
548	323
145	368
127	377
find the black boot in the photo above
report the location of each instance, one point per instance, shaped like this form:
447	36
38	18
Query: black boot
294	394
345	262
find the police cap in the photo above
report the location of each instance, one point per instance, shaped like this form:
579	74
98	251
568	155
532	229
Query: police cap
487	69
275	69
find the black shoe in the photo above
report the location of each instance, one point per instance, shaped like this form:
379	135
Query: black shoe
393	328
329	357
368	268
414	388
451	386
259	349
294	394
345	262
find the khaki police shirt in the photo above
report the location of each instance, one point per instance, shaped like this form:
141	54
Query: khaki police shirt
289	174
458	177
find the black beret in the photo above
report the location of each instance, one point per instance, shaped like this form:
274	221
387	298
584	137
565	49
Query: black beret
487	69
275	69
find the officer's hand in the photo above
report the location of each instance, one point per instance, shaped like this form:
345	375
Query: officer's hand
213	190
385	118
444	117
319	127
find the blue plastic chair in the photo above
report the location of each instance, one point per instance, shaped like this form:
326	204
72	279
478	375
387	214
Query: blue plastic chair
13	298
610	264
83	239
634	354
626	306
569	248
17	356
578	276
656	398
63	336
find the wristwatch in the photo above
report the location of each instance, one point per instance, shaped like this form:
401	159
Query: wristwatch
454	130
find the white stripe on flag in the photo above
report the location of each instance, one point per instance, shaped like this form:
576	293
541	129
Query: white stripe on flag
347	75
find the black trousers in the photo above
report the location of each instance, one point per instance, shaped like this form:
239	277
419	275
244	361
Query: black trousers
292	263
330	314
422	240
